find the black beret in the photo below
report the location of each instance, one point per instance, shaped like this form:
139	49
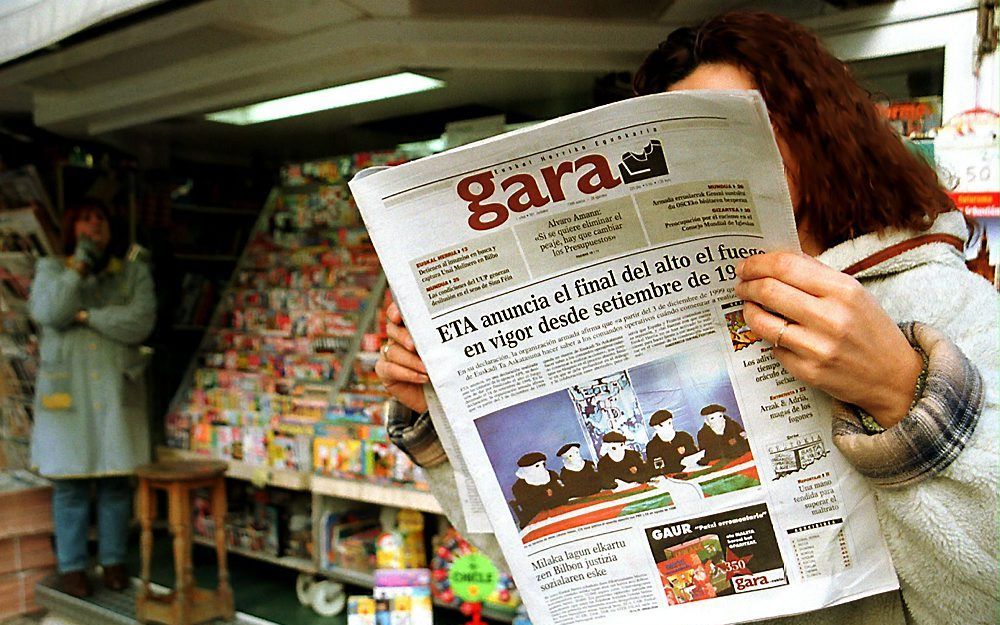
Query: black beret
709	409
567	447
614	437
529	459
660	416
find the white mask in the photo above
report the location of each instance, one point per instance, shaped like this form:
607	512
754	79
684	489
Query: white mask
536	474
616	451
572	459
665	430
717	422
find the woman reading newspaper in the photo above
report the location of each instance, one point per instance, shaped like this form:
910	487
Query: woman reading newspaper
880	312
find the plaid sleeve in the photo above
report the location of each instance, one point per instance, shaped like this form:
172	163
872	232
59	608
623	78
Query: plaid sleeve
414	433
935	431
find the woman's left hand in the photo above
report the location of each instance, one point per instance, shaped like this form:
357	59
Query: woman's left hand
830	332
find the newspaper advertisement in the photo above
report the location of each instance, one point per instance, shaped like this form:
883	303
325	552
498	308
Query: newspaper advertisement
639	452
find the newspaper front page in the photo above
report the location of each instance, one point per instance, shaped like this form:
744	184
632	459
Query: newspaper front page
639	452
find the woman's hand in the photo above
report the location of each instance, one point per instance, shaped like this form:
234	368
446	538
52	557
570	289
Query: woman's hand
399	367
830	333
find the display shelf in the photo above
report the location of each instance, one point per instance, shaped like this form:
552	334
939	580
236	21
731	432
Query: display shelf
386	495
349	576
256	474
310	262
302	565
17	256
25	237
357	490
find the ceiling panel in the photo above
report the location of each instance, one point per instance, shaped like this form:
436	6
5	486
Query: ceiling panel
585	9
198	42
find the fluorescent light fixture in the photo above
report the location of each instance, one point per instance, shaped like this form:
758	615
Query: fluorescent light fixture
334	97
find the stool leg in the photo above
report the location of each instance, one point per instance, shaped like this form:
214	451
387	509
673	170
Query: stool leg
180	527
147	512
219	514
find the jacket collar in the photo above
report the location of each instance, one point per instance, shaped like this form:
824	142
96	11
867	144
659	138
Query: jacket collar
114	266
845	254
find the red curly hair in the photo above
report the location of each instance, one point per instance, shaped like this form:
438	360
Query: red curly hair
855	174
73	214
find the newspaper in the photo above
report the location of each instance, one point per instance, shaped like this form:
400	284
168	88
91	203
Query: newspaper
637	449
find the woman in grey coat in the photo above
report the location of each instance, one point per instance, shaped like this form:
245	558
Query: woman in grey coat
90	408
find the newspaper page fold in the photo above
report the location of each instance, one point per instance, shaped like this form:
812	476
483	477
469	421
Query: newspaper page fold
640	454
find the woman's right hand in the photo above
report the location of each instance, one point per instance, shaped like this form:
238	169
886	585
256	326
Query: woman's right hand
399	367
87	250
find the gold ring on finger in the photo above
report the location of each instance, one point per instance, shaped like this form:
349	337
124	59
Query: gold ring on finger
781	333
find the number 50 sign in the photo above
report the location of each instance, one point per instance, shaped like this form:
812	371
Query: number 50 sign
968	161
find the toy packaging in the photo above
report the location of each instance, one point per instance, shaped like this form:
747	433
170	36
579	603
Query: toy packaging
406	594
360	610
348	539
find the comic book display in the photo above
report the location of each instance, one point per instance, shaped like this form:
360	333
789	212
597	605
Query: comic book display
25	235
284	377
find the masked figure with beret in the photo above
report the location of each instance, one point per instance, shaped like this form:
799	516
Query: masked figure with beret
665	450
721	437
618	464
536	489
578	475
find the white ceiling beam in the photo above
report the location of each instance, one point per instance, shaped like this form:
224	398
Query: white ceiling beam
886	14
382	8
146	32
283	82
560	43
372	61
268	19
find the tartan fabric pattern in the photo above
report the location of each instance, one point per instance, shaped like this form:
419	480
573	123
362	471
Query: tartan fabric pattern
935	431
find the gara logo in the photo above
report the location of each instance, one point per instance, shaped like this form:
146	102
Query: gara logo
491	206
649	163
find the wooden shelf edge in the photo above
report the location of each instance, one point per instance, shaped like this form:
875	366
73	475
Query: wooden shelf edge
299	564
350	576
356	490
291	480
359	490
36	531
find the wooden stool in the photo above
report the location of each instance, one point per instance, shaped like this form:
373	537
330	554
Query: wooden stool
187	604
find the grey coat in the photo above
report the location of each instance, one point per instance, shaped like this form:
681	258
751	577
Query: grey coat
90	402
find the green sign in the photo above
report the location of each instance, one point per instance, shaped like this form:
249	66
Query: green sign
473	577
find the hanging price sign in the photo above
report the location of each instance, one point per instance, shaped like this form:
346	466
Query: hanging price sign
968	160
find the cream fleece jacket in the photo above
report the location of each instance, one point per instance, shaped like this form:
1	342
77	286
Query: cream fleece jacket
941	530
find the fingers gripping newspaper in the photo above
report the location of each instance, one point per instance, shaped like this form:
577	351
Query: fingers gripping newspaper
639	452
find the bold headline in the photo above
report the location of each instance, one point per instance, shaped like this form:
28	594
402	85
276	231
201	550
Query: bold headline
674	274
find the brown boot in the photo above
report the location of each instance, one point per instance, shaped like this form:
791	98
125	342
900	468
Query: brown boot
76	583
115	577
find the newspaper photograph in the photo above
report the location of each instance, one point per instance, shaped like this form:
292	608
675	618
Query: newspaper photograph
638	452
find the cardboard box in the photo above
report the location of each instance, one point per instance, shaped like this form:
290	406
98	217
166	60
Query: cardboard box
17	592
26	552
25	505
